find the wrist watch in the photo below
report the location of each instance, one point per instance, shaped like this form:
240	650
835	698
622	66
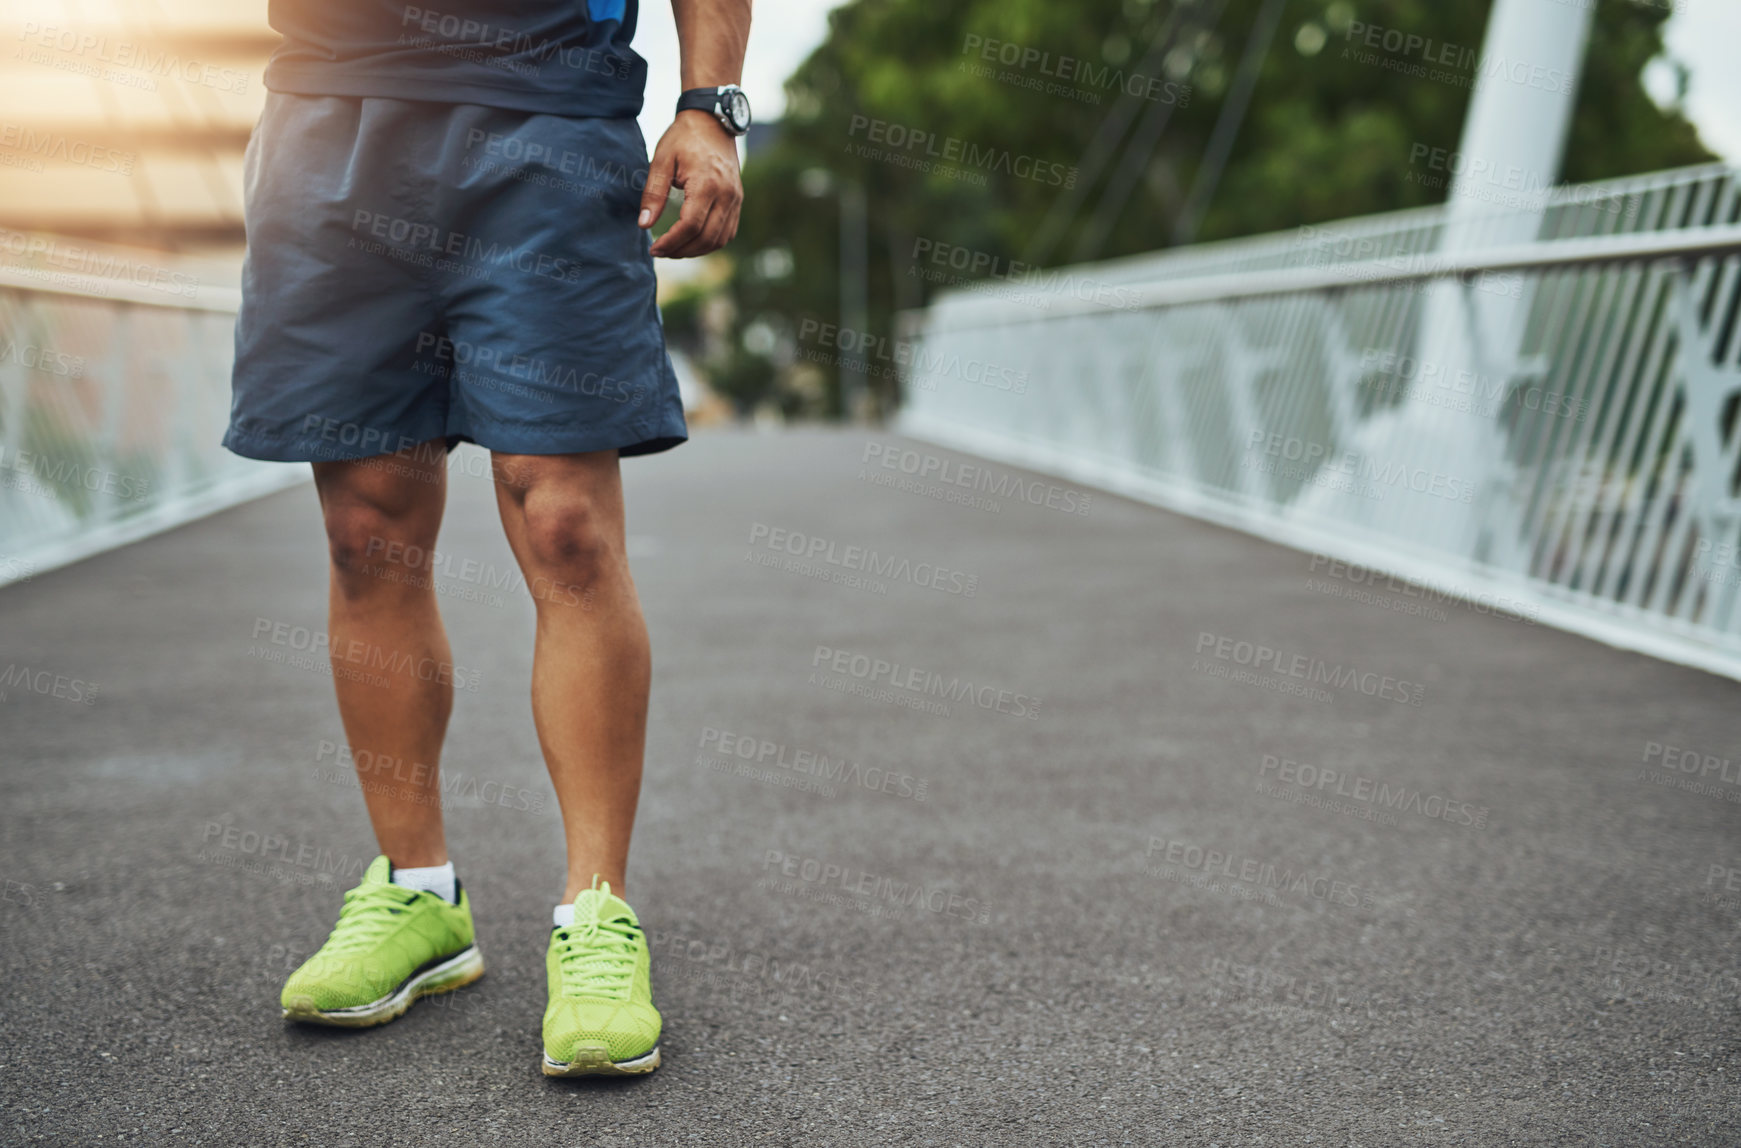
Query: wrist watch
727	103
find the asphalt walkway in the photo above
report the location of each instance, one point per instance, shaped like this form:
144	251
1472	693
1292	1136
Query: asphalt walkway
1062	820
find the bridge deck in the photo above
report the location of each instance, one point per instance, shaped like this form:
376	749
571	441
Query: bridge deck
1122	933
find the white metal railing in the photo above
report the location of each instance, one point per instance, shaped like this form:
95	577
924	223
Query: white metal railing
1556	418
114	394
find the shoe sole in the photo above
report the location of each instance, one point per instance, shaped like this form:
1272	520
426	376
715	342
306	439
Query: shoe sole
457	971
594	1059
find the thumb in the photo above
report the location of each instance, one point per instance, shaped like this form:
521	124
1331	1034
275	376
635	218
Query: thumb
658	188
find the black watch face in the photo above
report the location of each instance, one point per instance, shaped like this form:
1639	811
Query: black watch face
737	109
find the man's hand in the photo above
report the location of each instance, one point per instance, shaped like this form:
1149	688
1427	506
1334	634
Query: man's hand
698	155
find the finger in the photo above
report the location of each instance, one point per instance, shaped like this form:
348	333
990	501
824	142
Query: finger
718	230
658	189
722	222
677	243
678	236
695	244
706	239
732	215
690	214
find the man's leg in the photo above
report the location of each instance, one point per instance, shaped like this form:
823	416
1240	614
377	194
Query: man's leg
382	517
388	651
592	664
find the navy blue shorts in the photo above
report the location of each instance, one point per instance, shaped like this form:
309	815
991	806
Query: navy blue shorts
419	271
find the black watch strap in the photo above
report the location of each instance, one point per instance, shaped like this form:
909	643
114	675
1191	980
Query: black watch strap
718	102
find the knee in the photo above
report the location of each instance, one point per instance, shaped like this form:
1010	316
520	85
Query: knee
567	538
360	537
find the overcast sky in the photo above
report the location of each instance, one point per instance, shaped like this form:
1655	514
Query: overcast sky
1705	36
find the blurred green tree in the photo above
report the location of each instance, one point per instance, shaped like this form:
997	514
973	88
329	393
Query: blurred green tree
1334	129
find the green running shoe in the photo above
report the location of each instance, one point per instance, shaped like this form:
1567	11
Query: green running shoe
390	946
601	1019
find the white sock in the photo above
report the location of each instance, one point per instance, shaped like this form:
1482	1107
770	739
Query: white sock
437	879
563	917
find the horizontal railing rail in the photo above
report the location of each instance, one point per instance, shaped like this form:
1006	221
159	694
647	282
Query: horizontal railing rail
202	297
1688	244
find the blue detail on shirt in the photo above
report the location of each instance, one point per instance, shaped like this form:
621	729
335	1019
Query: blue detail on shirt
602	10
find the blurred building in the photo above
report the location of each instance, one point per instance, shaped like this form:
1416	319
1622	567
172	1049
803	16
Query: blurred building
125	121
